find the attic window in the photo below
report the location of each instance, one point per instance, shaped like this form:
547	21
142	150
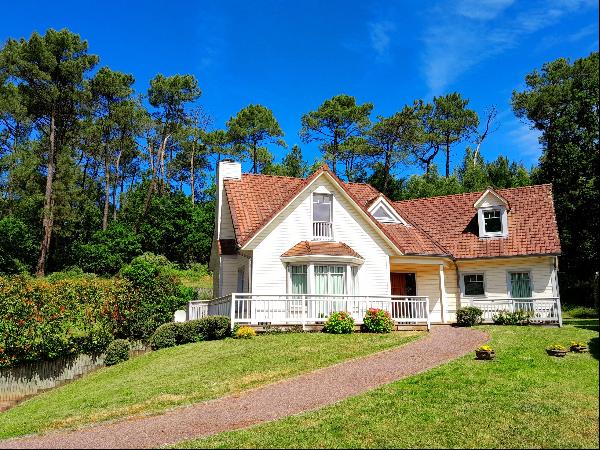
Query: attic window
383	216
493	221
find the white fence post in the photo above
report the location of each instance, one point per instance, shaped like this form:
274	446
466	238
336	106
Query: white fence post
559	310
232	310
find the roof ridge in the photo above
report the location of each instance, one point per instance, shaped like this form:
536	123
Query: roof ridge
462	194
272	176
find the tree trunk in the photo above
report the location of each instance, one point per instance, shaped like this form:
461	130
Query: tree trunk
386	171
116	184
106	191
334	154
192	181
447	159
48	220
254	158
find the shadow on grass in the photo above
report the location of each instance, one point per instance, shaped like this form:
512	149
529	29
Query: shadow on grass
585	324
593	346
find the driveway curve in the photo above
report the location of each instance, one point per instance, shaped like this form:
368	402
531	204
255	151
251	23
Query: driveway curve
274	401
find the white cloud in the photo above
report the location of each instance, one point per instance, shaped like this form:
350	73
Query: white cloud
379	34
457	40
482	9
526	141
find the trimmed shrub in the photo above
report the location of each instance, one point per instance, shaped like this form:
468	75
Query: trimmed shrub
339	322
245	333
214	327
117	351
582	312
165	336
378	321
518	317
468	316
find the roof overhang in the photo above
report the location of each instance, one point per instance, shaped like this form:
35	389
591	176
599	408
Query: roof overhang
352	260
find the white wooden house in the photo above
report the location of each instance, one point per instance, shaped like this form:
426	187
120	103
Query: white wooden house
291	251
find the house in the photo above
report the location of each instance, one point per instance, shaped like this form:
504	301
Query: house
290	250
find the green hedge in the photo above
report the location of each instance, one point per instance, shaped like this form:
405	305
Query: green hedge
42	319
117	351
178	333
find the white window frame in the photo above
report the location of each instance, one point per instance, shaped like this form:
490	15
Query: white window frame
312	214
388	209
462	285
509	282
350	274
503	222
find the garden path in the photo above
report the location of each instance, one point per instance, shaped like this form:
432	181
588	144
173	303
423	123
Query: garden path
281	399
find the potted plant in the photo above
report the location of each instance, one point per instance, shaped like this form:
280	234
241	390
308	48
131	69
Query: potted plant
578	347
556	350
485	352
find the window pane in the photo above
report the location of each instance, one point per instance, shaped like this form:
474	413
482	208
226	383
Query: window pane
520	285
322	207
474	284
299	280
492	221
381	214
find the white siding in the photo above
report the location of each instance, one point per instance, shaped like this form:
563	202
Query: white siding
496	274
230	264
295	225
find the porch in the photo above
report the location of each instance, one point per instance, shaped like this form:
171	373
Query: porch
308	310
541	310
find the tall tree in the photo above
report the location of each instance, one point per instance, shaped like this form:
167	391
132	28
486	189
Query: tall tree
333	123
393	139
293	165
49	72
108	90
562	101
251	129
169	96
453	122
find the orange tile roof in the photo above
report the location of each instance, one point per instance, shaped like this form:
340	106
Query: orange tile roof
305	248
436	226
451	220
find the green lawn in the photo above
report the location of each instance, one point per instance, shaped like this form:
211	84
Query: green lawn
190	373
522	399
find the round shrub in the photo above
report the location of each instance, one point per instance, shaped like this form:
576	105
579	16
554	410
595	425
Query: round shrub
378	321
214	327
117	351
340	322
245	333
468	316
165	336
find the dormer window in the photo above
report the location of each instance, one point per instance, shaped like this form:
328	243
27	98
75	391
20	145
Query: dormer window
492	221
492	215
384	212
322	211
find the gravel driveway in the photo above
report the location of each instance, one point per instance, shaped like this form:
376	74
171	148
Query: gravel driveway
274	401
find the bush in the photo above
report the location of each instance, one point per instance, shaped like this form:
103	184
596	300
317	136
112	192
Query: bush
18	246
214	327
378	321
339	322
468	316
158	294
581	312
245	333
178	333
518	317
117	351
108	250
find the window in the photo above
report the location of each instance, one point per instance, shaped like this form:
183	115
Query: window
330	279
383	216
520	285
240	280
299	279
492	221
322	207
473	284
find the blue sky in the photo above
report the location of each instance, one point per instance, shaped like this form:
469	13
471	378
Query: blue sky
290	56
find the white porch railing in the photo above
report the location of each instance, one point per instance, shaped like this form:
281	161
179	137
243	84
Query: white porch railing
541	309
308	309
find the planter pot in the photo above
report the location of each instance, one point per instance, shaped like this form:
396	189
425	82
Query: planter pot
579	349
557	353
485	354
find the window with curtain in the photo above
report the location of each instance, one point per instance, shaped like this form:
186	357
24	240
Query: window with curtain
520	285
330	279
473	284
299	278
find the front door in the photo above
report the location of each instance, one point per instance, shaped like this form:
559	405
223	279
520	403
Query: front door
403	283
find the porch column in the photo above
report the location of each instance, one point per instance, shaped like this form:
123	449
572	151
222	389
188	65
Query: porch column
443	299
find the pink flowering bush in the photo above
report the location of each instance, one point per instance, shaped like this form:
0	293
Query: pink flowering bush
378	321
339	322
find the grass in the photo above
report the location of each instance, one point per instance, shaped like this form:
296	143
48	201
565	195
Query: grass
522	399
579	312
176	376
197	276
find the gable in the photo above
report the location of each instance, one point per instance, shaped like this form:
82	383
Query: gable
384	212
490	198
